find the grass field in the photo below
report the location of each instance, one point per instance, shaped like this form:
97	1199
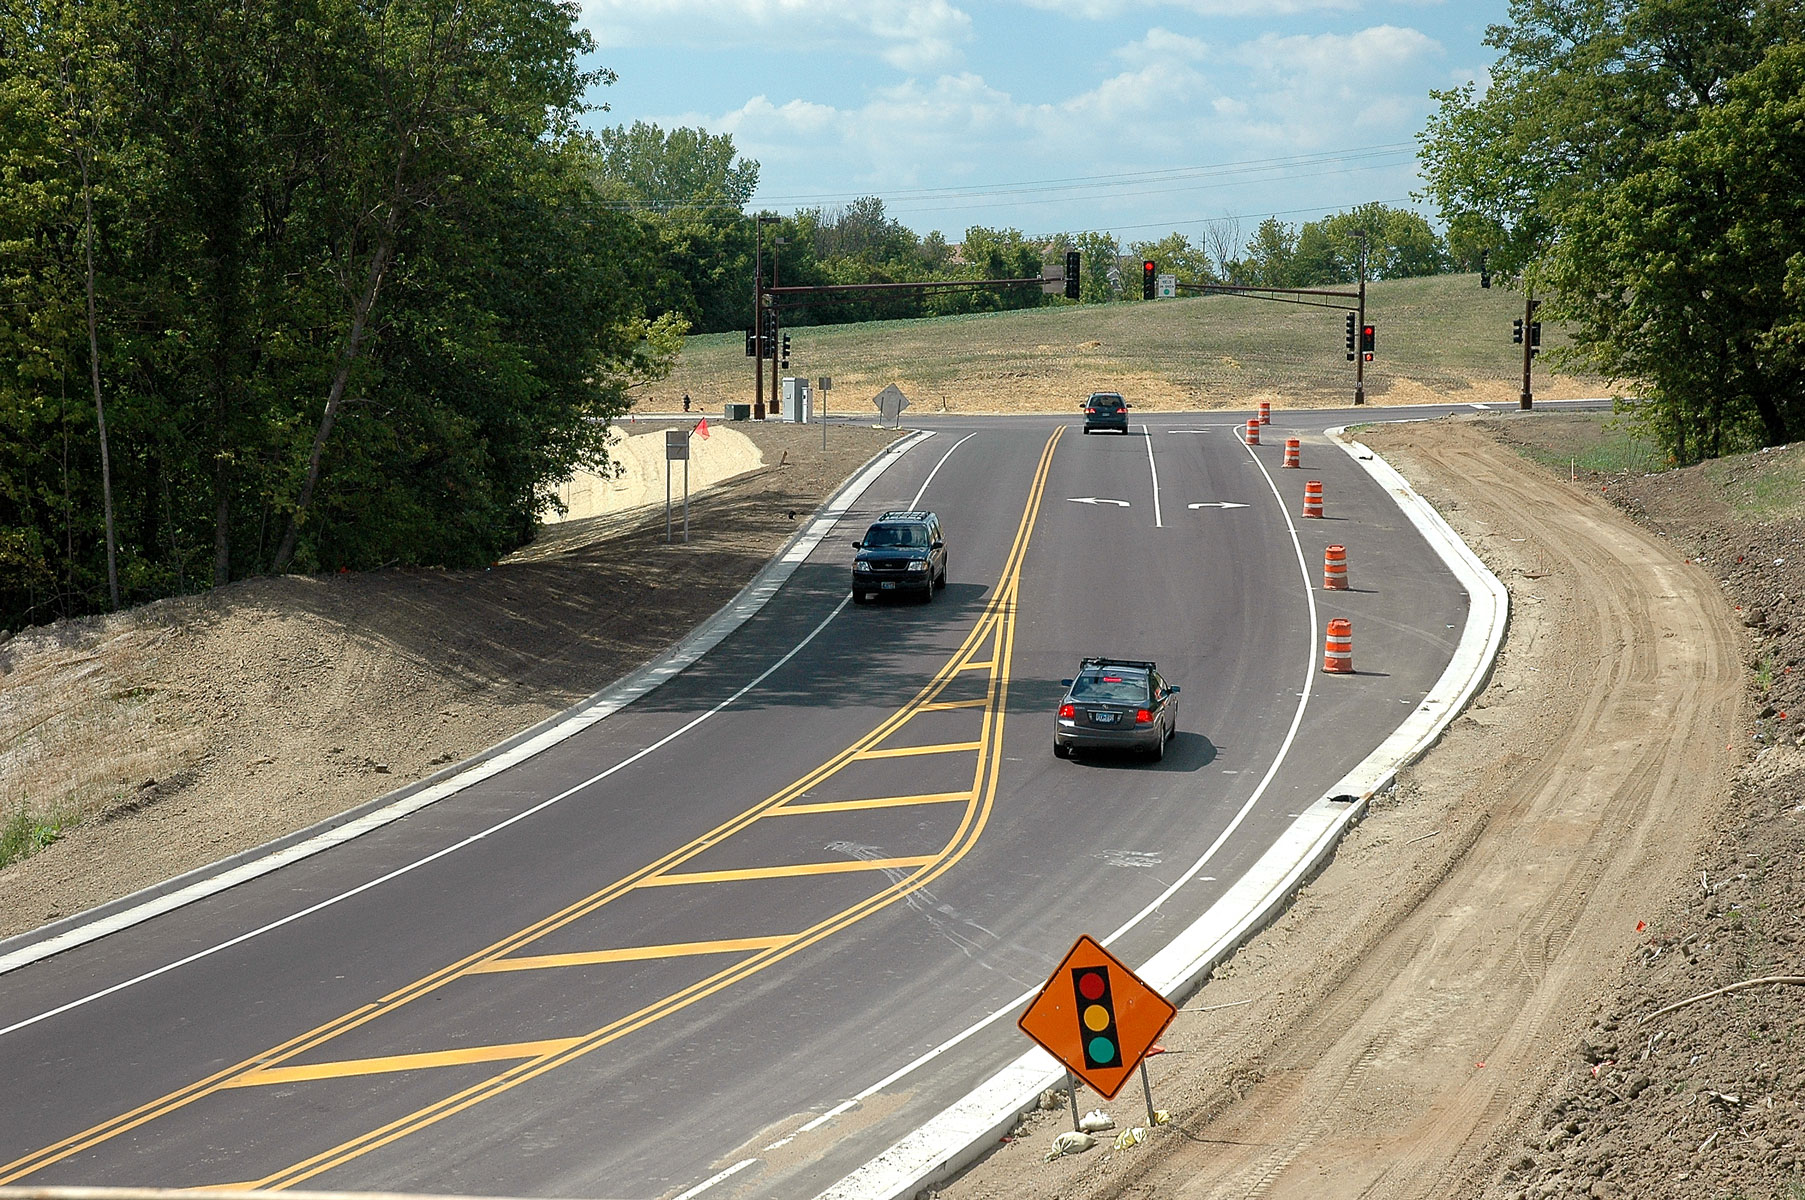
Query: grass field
1437	338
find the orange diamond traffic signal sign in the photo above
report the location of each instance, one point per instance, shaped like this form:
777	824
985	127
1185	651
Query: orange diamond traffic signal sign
1097	1017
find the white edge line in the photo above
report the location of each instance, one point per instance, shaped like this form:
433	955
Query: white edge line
963	1133
1147	432
161	898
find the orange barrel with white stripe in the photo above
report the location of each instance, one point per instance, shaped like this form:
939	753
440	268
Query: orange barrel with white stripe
1334	568
1265	412
1253	431
1313	498
1338	649
1293	457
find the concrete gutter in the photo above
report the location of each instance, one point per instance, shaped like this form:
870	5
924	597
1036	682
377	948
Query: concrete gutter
140	906
968	1130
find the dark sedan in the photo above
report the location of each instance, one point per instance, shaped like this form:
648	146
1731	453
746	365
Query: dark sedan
1116	704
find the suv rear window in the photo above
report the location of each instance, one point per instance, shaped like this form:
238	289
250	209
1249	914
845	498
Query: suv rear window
1106	403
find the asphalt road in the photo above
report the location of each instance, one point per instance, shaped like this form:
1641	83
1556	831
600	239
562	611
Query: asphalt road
685	940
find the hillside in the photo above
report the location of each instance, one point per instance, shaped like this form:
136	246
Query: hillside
1441	337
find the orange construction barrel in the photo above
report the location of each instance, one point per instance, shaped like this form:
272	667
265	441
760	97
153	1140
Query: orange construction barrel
1338	649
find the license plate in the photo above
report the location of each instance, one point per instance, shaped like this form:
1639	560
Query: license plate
1104	718
888	584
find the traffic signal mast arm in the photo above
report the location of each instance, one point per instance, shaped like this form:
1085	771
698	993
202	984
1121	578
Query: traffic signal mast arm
793	297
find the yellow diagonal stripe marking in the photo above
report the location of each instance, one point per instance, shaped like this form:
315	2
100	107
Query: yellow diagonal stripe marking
676	879
389	1063
590	958
976	666
831	806
948	705
911	751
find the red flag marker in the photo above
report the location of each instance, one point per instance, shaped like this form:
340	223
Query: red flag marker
702	427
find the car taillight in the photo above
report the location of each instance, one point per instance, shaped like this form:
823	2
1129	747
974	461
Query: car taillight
1143	717
1090	410
1067	712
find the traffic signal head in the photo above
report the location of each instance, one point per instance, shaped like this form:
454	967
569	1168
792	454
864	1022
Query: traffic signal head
1350	337
1485	270
1096	1017
751	343
1516	331
1071	274
1366	339
1148	283
785	361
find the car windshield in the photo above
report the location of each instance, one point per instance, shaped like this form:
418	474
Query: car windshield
910	537
1110	686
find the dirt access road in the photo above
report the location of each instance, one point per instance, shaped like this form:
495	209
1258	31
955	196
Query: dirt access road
1454	1008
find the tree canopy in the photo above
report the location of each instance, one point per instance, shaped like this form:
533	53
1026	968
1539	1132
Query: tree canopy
1641	158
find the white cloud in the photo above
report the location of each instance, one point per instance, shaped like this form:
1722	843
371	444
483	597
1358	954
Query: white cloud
1097	10
1164	45
911	35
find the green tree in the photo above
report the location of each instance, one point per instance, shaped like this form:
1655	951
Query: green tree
1270	254
682	169
1589	113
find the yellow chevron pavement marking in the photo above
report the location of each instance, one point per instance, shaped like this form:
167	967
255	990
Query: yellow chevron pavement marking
590	958
830	806
388	1063
794	870
912	751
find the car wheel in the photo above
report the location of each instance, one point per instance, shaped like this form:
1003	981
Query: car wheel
1159	750
1060	749
941	582
858	598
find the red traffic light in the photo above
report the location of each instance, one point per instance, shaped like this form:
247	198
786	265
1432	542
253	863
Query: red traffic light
1148	268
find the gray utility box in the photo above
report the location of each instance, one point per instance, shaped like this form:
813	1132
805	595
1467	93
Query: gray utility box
738	412
798	401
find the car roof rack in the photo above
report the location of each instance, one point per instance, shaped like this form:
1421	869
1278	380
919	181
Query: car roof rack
906	514
1117	662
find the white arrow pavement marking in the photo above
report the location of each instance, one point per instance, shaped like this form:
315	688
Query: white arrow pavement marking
1218	504
1097	500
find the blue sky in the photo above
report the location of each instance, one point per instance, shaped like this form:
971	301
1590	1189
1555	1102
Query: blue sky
1140	117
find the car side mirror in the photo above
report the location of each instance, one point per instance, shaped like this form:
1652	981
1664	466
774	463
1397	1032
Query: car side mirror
1126	407
858	545
1172	688
1065	683
937	546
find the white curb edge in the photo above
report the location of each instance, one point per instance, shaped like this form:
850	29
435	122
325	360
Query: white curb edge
82	928
954	1139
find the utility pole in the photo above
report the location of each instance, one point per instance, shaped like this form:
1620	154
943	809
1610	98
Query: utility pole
1360	347
1530	304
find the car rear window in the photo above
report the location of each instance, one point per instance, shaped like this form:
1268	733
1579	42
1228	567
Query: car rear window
1107	403
1117	686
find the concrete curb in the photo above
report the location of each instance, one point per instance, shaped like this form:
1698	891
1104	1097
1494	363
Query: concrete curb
965	1132
81	928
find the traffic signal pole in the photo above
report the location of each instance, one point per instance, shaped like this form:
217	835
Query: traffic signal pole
776	395
1360	352
1527	399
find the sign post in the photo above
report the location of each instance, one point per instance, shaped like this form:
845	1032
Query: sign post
823	384
676	446
1098	1018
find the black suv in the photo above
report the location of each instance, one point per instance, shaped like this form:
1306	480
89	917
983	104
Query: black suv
1105	410
901	552
1116	704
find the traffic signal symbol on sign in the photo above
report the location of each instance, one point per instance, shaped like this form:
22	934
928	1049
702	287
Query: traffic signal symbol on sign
1097	1017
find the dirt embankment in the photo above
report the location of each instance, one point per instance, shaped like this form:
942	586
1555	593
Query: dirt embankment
169	736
